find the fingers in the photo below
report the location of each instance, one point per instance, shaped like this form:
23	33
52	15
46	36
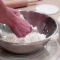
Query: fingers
21	27
21	30
24	25
24	30
16	31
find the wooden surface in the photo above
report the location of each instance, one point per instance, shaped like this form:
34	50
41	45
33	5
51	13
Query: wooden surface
18	3
54	2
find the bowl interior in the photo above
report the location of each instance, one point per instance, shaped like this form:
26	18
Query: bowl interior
44	23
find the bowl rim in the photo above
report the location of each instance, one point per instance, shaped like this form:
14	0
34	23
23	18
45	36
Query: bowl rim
48	38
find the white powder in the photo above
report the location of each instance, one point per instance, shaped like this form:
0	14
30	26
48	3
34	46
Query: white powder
34	36
21	16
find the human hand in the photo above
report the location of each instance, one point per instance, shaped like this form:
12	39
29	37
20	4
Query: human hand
19	26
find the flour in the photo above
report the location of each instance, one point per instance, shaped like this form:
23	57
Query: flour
34	36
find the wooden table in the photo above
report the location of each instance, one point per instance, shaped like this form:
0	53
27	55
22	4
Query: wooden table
54	2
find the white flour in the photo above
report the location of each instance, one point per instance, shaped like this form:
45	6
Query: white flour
34	36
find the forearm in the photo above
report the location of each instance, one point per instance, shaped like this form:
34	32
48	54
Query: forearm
2	7
3	10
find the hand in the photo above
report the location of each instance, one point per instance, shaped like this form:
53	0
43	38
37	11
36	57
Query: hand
18	25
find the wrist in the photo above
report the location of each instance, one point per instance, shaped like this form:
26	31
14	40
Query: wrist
2	7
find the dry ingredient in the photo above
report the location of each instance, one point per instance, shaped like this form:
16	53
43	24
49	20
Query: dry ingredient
34	36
